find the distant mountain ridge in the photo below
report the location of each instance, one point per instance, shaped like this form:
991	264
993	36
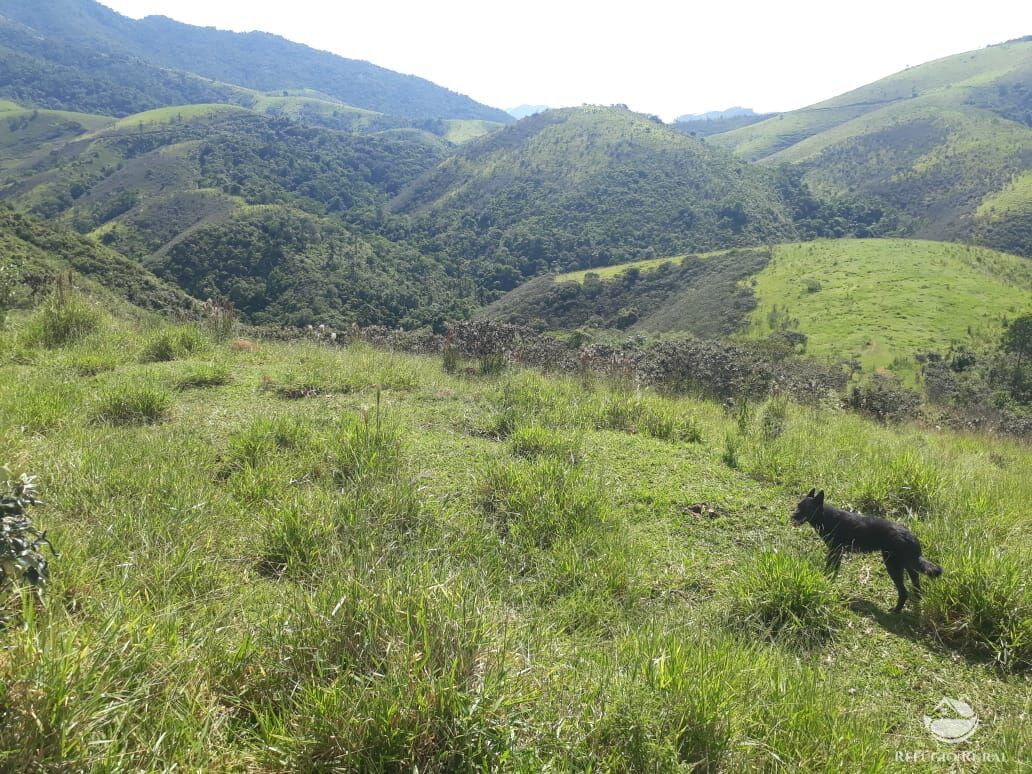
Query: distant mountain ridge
714	115
254	60
522	111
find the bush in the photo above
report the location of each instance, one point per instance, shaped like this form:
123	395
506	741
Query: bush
173	344
20	541
883	399
787	598
132	404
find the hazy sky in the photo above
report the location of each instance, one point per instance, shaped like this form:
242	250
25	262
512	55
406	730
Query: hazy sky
669	57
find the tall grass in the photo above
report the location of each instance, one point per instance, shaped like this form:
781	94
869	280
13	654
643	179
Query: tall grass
786	597
64	319
173	344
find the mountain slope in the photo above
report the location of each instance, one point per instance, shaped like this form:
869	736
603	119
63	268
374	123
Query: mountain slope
253	60
34	253
227	203
140	182
589	186
940	142
832	291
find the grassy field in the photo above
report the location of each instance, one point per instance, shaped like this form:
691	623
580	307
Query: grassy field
876	299
883	300
288	557
609	272
460	130
167	115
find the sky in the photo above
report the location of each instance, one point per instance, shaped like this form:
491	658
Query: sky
665	57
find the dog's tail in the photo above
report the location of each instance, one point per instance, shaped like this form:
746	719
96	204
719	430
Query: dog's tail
931	569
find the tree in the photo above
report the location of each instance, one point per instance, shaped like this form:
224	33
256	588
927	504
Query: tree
1017	339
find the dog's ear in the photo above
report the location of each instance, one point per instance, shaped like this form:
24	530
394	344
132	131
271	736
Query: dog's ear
812	492
820	499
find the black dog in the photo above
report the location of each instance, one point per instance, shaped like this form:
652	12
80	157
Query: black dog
844	531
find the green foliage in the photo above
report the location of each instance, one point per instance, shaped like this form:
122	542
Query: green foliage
20	542
787	598
133	403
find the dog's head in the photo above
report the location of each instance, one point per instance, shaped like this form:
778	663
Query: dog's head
810	506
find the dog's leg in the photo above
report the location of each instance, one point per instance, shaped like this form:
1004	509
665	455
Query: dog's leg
833	562
896	573
915	578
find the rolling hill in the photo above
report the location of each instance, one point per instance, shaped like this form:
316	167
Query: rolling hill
948	143
590	186
80	55
140	182
224	202
878	301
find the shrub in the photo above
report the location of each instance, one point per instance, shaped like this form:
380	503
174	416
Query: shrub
773	418
787	598
20	541
883	399
132	404
173	344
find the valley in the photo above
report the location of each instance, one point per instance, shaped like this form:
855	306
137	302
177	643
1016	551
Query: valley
352	424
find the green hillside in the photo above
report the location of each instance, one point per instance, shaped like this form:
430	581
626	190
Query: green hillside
879	301
33	254
281	266
586	187
142	182
285	557
939	142
53	49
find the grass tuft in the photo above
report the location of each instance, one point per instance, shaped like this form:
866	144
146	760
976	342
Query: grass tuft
202	376
174	344
65	319
535	441
983	603
132	404
787	598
